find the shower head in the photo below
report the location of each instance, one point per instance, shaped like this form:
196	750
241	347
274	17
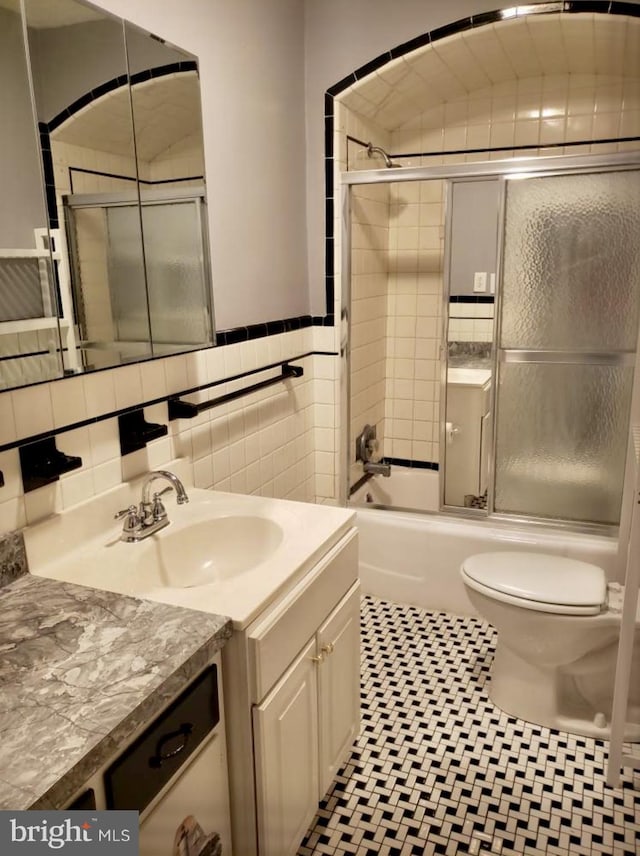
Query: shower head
376	150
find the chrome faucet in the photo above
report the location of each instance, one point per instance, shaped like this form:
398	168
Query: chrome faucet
151	515
377	469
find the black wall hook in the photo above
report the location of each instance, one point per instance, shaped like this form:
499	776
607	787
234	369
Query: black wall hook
136	432
42	463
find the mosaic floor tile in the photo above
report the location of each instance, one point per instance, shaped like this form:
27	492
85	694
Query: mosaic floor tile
437	769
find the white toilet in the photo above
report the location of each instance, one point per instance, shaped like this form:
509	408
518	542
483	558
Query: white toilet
558	623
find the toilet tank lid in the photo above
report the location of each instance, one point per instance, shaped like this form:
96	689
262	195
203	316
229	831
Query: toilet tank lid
539	577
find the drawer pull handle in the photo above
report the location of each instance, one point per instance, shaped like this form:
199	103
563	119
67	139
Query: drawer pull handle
159	758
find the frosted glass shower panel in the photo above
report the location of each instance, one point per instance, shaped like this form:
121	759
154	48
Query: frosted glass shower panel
571	264
179	293
561	440
126	276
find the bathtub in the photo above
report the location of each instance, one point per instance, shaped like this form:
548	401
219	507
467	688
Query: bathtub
412	488
415	558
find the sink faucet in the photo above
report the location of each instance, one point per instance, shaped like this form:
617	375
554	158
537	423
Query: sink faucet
151	515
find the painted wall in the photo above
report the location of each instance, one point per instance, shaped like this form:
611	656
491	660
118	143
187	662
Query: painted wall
342	35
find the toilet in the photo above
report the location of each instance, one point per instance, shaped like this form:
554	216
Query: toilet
558	623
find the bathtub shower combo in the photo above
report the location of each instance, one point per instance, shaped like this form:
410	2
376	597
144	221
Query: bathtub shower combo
491	454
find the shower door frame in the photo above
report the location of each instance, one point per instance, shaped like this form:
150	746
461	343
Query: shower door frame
500	169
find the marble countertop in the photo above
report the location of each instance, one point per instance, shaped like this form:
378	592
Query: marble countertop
81	670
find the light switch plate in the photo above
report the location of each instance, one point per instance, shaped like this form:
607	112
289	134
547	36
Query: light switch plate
480	281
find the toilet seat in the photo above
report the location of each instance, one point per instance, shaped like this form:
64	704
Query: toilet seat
538	581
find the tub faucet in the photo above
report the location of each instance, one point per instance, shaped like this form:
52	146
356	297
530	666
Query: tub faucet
151	515
377	469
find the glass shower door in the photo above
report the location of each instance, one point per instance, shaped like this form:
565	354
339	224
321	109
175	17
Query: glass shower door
567	342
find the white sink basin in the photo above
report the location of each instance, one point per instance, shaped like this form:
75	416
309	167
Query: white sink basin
206	552
224	553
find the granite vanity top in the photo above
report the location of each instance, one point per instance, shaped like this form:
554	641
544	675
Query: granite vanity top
81	670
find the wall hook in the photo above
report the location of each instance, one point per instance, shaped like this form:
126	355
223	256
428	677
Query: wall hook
42	463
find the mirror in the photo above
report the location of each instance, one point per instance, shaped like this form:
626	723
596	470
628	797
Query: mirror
472	250
119	121
29	341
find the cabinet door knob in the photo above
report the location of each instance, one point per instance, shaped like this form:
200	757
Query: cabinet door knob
328	648
318	659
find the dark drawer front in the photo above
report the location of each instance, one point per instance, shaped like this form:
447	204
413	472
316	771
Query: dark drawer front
146	766
84	802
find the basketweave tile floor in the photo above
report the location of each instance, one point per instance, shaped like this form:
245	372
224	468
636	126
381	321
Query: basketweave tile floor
438	769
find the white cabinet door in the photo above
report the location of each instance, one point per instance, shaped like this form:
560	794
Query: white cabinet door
339	685
285	729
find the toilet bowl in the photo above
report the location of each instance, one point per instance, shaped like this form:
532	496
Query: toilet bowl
558	624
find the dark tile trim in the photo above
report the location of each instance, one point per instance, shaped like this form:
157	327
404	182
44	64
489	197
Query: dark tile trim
451	29
343	84
328	137
115	414
472	298
373	65
631	9
486	18
269	328
407	462
412	45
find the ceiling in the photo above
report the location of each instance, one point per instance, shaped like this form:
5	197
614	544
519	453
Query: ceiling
167	110
532	46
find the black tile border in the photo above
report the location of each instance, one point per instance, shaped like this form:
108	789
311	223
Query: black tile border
472	298
408	462
610	7
116	414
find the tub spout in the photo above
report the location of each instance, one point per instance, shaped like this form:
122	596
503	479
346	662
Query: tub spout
377	469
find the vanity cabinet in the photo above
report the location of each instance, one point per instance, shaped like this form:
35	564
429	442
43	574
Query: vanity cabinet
469	430
295	701
304	728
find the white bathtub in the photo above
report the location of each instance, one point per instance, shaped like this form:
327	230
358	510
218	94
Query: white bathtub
413	488
415	558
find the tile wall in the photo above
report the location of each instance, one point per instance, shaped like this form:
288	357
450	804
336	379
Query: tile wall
278	442
369	302
470	322
534	112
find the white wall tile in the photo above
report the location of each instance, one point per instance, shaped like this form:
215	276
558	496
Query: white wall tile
32	410
99	392
68	401
128	386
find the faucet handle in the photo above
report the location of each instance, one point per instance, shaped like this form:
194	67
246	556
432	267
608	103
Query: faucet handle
132	518
158	510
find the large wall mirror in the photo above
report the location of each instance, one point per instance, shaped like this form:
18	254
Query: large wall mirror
103	238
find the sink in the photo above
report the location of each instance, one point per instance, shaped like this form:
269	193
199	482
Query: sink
206	552
228	554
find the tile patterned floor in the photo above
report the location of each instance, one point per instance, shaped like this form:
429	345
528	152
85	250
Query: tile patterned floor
438	769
